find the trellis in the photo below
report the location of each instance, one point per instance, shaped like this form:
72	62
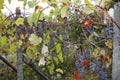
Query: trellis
116	70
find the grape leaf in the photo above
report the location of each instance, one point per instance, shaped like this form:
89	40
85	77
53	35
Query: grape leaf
34	39
88	3
31	4
1	4
19	21
60	56
42	61
56	60
45	50
44	1
9	1
59	70
87	10
103	3
64	11
76	1
3	41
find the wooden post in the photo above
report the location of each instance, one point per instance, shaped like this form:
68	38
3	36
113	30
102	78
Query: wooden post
19	58
116	44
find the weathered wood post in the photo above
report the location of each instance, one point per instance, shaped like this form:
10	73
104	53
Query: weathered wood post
116	44
18	49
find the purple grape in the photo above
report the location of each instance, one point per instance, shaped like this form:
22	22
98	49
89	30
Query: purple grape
98	63
109	32
81	71
87	54
65	47
30	30
52	55
76	55
92	67
77	64
90	29
64	38
103	75
82	58
51	45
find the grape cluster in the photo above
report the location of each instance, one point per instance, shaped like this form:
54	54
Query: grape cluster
103	75
65	48
109	32
95	65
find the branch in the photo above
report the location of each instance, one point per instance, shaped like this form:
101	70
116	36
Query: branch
8	63
31	64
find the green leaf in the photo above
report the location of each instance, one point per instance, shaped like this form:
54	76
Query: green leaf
19	21
31	4
88	3
9	1
76	1
64	11
3	41
56	60
1	4
87	10
12	48
59	70
60	56
32	18
65	1
51	68
58	48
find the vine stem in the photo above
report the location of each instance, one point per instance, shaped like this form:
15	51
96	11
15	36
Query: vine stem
109	16
88	39
9	10
41	12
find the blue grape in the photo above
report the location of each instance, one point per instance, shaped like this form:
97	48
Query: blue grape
77	64
30	30
81	71
56	79
92	67
87	54
65	47
97	69
82	58
51	44
109	32
98	63
64	38
103	75
76	55
52	55
90	29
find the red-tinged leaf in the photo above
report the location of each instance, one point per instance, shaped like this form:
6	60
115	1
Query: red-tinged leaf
76	76
87	24
85	63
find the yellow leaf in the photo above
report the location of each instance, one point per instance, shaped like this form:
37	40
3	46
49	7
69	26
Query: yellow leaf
109	44
88	3
19	21
44	1
34	39
64	11
59	70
